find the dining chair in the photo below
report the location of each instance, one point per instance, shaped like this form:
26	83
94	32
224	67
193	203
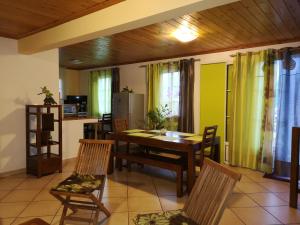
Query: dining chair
88	177
207	145
206	202
106	125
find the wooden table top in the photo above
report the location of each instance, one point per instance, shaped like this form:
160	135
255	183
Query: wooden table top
170	140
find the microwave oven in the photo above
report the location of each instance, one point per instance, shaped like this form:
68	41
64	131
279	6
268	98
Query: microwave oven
70	110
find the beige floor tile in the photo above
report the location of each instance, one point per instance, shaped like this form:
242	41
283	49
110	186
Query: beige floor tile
44	195
286	196
11	209
118	176
255	216
240	170
3	193
116	204
132	216
138	179
42	208
267	199
119	192
246	179
7	221
137	204
19	220
240	200
142	190
33	183
276	186
20	196
251	187
10	183
229	218
114	219
112	183
172	202
165	187
257	177
86	214
285	214
236	190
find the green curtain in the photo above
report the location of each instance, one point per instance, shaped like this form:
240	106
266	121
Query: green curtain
247	110
100	92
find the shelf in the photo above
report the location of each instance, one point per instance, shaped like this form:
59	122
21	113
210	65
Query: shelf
50	160
45	156
34	131
44	145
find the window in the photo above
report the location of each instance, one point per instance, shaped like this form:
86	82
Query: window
100	92
169	91
104	93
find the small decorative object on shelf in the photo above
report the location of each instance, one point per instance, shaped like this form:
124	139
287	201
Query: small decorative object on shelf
43	149
126	89
49	100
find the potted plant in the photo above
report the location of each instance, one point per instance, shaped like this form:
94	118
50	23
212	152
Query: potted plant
158	117
49	100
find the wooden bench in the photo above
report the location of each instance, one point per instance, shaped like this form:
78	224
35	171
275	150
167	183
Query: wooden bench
157	160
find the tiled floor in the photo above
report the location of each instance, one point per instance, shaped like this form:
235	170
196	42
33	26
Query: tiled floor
255	201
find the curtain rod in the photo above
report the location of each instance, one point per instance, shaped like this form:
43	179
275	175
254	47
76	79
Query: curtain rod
142	66
293	49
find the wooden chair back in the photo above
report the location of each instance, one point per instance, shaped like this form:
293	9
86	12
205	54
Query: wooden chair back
120	125
212	188
208	138
106	122
93	157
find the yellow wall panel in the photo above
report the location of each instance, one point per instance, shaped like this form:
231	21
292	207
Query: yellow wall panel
213	99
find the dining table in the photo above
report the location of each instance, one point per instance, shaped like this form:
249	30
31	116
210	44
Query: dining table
180	142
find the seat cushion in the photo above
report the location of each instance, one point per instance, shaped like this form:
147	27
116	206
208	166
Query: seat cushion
82	184
174	217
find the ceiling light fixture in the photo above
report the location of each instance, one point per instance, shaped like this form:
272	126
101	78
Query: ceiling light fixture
185	33
75	61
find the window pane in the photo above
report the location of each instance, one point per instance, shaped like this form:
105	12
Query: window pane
169	93
104	94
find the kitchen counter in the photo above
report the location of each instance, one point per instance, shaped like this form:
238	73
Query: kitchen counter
79	117
72	131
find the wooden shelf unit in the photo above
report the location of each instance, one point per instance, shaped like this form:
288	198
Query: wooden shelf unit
42	163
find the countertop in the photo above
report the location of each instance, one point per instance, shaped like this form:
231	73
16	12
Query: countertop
78	118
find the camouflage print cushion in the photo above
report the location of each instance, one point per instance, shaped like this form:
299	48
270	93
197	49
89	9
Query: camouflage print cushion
81	184
174	217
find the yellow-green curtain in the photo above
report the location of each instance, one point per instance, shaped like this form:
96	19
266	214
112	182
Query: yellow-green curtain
247	109
155	90
153	85
100	92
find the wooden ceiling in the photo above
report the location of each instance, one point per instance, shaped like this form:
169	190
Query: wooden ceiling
20	18
242	24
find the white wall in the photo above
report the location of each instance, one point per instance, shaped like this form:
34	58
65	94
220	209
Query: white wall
21	79
70	82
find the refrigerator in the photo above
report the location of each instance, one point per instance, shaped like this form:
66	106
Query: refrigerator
129	106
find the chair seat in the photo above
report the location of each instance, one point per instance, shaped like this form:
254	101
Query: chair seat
174	217
81	184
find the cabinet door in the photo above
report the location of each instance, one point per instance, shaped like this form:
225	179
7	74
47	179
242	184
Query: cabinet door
212	99
121	105
136	111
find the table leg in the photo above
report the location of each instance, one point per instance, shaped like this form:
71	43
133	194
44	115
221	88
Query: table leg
190	170
217	152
